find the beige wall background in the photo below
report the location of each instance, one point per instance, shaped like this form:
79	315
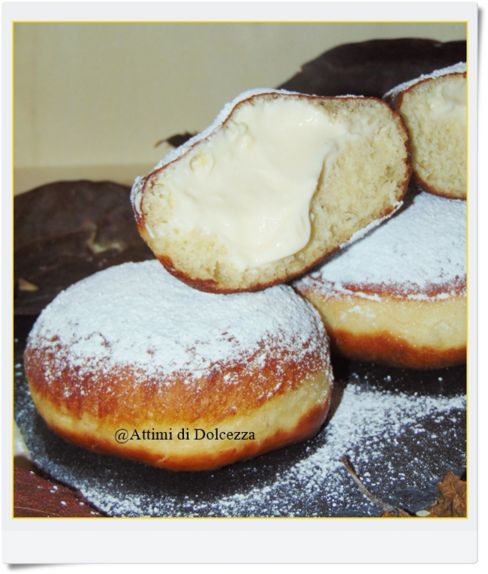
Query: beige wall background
91	100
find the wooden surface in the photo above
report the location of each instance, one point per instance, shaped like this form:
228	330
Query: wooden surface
36	495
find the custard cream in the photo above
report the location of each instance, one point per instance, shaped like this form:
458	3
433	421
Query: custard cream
251	183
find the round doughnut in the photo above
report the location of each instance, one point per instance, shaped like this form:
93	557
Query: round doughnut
398	296
131	348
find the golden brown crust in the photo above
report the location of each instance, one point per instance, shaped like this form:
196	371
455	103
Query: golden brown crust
290	416
395	330
384	348
307	426
210	285
215	373
396	103
116	396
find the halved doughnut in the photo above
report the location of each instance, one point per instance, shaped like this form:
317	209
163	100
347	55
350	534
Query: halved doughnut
278	182
434	109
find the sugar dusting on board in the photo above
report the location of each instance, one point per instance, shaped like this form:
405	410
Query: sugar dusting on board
140	316
419	250
364	422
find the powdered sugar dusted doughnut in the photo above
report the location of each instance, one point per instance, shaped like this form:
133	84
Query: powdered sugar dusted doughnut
133	348
434	109
273	186
398	295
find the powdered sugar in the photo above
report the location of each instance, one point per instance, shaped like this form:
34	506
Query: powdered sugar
138	315
458	68
418	252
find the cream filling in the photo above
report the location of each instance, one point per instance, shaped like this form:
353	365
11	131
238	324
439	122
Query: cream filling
251	183
448	99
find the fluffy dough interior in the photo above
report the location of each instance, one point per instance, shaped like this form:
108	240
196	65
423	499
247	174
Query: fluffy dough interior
435	112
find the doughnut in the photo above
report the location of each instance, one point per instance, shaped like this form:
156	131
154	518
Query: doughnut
398	295
276	183
434	109
197	380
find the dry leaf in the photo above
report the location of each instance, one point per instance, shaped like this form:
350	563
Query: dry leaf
450	502
452	498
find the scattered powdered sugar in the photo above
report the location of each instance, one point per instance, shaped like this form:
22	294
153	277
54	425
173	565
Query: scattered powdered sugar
363	424
458	68
139	315
418	251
